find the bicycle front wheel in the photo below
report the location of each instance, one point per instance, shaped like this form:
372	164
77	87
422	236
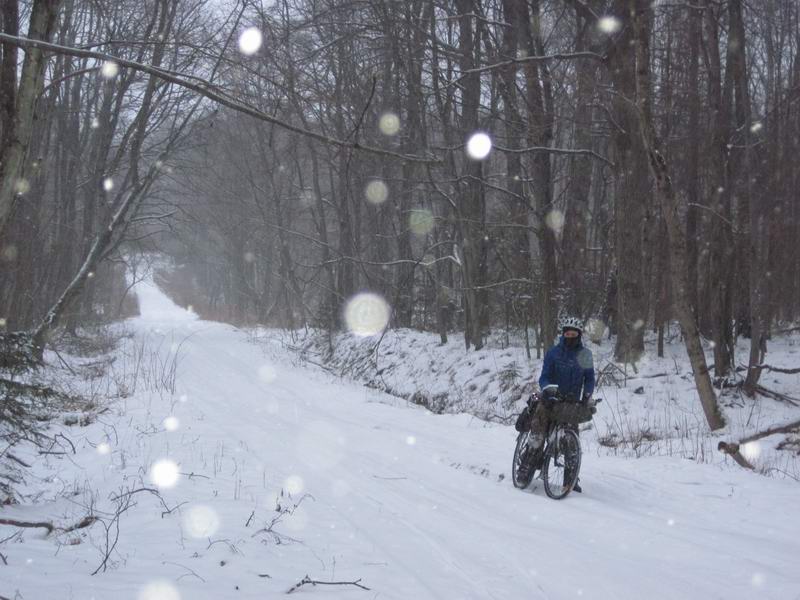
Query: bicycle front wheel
562	463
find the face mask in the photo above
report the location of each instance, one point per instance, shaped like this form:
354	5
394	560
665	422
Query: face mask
571	342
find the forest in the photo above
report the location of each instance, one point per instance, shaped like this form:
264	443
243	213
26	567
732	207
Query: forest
481	165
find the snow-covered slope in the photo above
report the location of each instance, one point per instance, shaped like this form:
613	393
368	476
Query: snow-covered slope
369	488
650	410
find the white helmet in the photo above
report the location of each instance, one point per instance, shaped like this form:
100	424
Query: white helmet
571	323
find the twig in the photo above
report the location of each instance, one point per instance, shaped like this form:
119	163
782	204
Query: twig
191	572
771	469
61	435
528	59
132	492
168	511
18	460
63	362
549	150
306	580
11	537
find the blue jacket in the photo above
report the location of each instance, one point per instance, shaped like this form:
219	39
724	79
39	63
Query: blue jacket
570	369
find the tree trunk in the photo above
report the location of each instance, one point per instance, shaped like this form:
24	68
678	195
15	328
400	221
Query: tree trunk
473	212
18	137
631	206
670	207
540	133
575	267
8	75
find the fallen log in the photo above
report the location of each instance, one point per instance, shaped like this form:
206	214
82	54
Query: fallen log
733	448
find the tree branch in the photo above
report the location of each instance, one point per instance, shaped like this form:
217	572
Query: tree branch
577	152
212	92
528	59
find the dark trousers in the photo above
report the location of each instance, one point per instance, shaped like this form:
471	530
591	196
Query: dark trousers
540	420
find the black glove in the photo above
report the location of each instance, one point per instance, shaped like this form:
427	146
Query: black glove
587	399
550	393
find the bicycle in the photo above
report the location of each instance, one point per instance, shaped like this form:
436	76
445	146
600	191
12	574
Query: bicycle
559	460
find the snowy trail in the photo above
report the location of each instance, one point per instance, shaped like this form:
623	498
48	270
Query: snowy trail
410	503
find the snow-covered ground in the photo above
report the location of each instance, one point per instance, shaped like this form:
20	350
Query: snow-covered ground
268	472
650	409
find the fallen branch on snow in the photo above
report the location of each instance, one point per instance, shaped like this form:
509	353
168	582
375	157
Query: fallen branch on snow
733	449
307	580
85	522
776	395
778	369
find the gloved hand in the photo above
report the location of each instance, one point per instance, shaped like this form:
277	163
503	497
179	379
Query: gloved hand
587	399
550	393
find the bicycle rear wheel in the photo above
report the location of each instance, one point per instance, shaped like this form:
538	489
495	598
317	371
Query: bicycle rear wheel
562	463
522	469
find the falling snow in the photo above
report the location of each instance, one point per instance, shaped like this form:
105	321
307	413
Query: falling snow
479	146
389	123
164	473
294	485
250	41
367	314
376	192
22	186
201	521
159	590
555	220
110	69
609	25
421	221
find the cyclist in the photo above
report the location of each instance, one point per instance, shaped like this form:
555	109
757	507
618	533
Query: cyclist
567	373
